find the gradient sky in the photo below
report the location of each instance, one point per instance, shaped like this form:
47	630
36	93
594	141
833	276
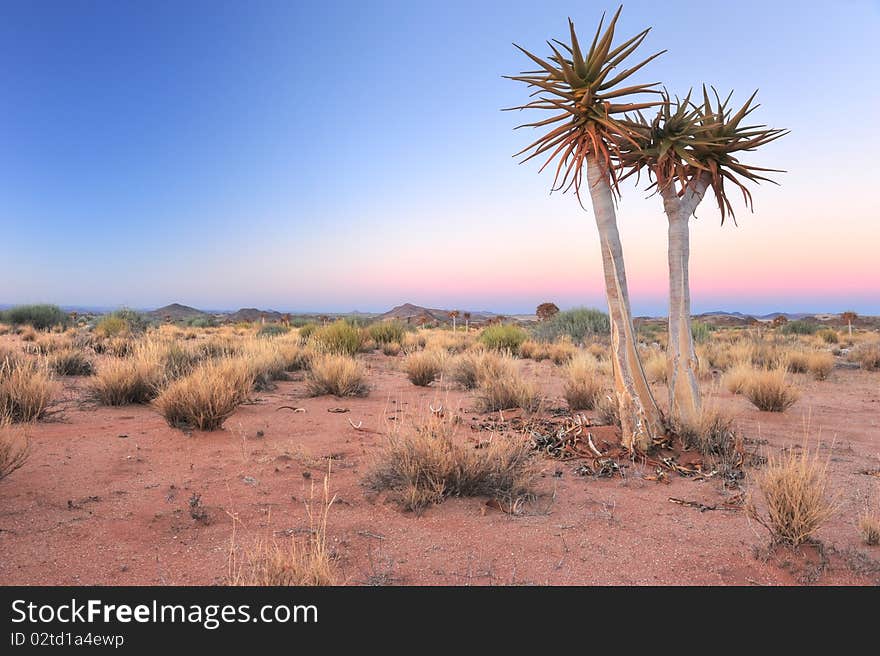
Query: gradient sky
334	156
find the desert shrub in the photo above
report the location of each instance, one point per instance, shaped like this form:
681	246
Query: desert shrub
179	360
272	330
219	347
820	364
583	384
391	348
208	396
385	332
828	335
423	367
467	369
737	378
27	333
4	329
579	325
503	387
701	331
503	337
796	362
867	355
869	527
122	322
768	390
799	327
307	330
423	466
339	338
14	448
201	322
533	350
41	317
128	381
338	375
70	362
795	490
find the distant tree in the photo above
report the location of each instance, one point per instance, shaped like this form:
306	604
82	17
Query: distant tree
422	321
546	311
467	321
849	316
324	319
454	315
285	320
781	320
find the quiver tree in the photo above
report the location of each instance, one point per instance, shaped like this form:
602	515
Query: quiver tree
454	315
583	90
546	311
688	149
467	321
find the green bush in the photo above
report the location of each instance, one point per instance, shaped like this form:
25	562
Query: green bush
201	322
121	321
40	317
385	332
829	335
307	330
340	338
272	330
578	325
504	337
799	327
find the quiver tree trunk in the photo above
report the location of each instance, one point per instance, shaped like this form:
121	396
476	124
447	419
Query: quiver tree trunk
640	420
681	357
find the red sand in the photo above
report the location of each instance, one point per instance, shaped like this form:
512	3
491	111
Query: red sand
104	498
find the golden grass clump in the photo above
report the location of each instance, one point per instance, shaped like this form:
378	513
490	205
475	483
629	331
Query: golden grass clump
338	375
583	382
561	352
205	398
339	338
27	333
304	561
70	362
655	366
768	390
711	432
501	386
26	389
532	350
423	367
795	490
131	380
14	448
391	348
467	369
430	463
820	364
737	377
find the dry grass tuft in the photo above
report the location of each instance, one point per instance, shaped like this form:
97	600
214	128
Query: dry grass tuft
533	350
338	375
655	366
26	389
869	527
423	367
736	378
583	383
14	448
561	352
208	396
501	386
296	562
391	348
867	355
426	465
712	434
795	490
132	380
768	390
70	362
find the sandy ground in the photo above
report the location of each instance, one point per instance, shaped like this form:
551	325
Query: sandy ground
105	497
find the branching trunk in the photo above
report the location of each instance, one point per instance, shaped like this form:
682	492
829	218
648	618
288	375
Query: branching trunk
681	357
639	415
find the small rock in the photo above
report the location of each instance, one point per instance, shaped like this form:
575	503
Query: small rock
249	480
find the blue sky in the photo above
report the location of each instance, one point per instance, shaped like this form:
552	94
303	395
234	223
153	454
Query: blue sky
336	156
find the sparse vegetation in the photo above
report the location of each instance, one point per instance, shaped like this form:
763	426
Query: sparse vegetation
128	381
867	355
272	330
795	491
387	332
339	338
869	527
503	387
338	375
423	466
70	362
14	448
798	327
579	325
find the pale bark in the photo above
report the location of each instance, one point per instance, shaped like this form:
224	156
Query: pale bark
681	357
639	415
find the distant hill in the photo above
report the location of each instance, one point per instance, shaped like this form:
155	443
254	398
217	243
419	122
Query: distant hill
177	312
410	313
253	314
